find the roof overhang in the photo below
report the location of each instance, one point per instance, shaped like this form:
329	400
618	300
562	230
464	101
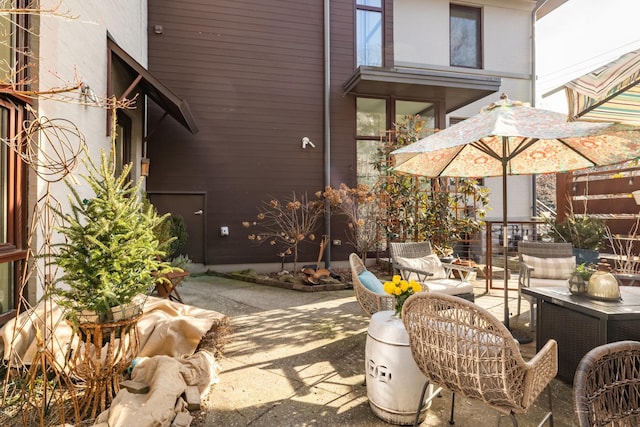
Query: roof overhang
454	89
547	6
173	105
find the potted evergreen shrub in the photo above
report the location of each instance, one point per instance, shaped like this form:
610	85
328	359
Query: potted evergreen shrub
171	233
585	233
110	255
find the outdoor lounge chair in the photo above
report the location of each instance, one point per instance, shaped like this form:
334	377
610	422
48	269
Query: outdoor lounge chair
606	385
416	260
464	348
371	300
555	262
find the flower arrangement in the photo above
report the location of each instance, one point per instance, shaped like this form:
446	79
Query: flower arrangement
401	289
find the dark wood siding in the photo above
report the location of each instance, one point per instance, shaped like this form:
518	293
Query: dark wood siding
252	72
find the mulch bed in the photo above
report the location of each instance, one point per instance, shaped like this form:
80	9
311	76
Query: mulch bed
298	282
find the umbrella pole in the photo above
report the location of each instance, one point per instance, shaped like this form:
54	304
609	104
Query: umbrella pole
505	237
521	336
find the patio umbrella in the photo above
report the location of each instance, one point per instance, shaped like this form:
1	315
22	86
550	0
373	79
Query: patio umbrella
610	93
509	138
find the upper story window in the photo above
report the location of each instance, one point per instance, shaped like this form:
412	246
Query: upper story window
465	36
369	32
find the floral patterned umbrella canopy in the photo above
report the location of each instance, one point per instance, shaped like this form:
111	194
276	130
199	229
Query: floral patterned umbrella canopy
509	138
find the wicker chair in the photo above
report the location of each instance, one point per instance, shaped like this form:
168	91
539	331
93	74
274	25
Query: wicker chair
457	276
539	250
467	350
606	386
369	301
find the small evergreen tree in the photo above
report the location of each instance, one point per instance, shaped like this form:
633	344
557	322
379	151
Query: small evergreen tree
110	253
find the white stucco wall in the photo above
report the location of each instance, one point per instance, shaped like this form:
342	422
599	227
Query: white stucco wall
507	37
76	49
421	34
421	31
421	39
72	49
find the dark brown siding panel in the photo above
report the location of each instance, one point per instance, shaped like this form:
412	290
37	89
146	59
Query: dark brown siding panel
252	73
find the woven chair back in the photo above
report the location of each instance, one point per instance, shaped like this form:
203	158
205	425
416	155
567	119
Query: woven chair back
369	301
545	250
464	348
606	385
409	249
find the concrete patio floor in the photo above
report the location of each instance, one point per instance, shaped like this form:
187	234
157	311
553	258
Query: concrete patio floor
297	359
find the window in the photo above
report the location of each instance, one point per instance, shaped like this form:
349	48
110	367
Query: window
426	111
12	210
465	37
373	118
13	178
371	123
369	32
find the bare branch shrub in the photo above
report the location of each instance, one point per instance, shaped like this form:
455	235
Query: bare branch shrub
362	209
287	223
626	262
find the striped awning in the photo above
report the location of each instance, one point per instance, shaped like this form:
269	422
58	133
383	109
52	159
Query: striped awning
609	94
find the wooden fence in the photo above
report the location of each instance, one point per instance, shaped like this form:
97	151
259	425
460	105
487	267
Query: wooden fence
606	193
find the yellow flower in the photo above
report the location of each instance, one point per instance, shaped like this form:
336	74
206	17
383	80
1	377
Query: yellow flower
389	287
397	286
415	286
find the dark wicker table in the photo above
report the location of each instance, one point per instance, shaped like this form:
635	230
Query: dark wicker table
579	323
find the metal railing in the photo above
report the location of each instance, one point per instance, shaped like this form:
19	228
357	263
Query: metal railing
494	244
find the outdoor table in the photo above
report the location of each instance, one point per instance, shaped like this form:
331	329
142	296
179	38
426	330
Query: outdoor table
579	323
